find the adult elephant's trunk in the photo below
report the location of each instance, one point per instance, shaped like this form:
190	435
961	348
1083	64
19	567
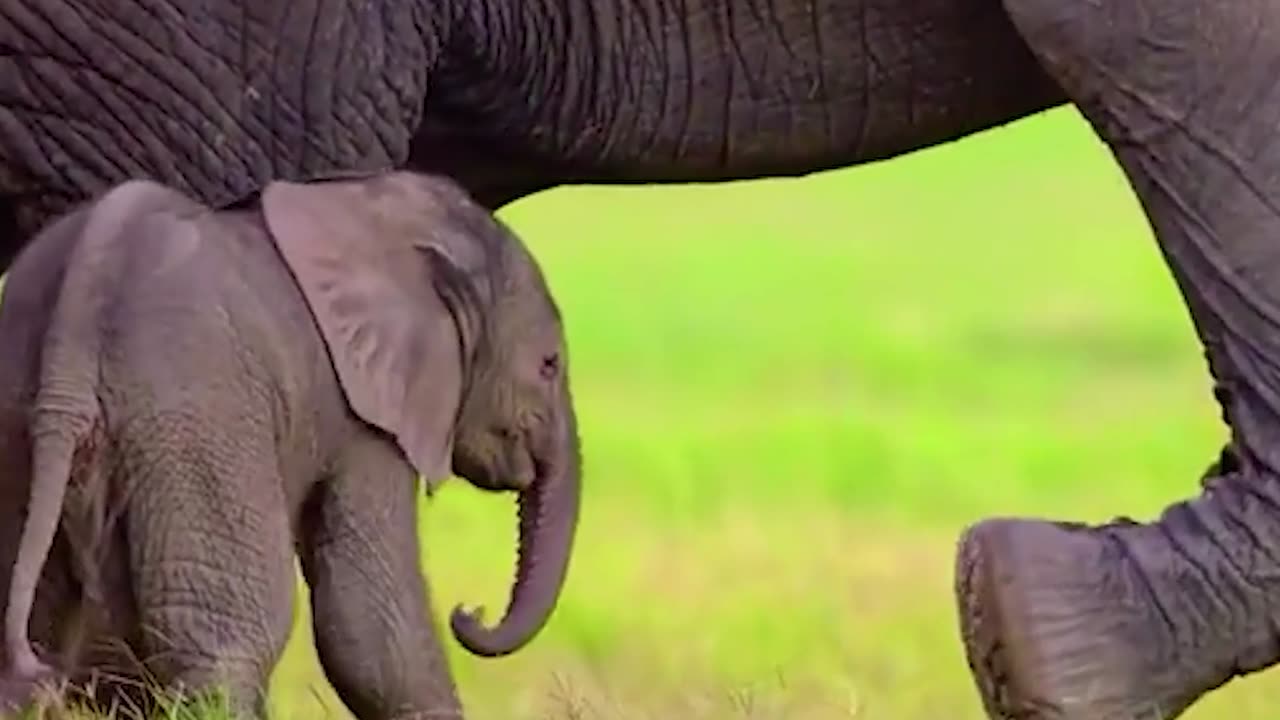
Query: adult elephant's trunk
548	519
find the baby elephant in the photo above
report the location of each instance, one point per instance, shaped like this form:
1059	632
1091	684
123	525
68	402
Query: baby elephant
188	395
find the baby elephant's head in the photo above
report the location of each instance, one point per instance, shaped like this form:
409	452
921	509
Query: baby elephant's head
517	430
445	336
516	426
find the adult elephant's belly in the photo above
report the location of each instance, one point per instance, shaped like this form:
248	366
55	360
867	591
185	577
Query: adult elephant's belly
642	92
211	97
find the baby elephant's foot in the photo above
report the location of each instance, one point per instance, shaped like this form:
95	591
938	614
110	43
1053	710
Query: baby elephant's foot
15	694
19	683
1118	622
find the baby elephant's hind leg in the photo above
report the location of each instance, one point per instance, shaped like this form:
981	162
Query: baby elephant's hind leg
212	558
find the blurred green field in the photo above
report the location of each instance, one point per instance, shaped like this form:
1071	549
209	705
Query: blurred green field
793	394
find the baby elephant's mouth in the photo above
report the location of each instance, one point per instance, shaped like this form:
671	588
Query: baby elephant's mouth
519	469
507	467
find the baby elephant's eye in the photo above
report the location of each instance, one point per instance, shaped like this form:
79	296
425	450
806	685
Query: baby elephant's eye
550	366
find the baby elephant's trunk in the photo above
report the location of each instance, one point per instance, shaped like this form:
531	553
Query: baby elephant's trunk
548	518
54	447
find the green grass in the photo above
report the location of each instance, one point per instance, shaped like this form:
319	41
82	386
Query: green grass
793	394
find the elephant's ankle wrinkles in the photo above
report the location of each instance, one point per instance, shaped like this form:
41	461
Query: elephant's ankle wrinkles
1213	560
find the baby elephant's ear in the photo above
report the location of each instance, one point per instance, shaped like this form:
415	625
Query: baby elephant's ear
353	246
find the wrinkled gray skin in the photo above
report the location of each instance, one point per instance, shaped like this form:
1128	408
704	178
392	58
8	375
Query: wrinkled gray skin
189	395
1127	620
216	97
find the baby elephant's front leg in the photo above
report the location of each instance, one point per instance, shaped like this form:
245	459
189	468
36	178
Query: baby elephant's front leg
374	632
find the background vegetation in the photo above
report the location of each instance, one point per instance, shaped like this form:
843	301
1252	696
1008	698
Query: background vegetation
794	394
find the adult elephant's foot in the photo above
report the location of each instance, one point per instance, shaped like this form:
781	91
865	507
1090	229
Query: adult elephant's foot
1123	621
1057	623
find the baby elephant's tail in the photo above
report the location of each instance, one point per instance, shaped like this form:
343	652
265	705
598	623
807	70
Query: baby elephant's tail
54	445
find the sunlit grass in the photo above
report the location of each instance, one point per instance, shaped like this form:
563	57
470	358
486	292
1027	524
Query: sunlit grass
793	394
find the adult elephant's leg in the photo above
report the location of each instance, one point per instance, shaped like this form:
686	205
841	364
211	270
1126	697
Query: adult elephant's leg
1138	620
371	611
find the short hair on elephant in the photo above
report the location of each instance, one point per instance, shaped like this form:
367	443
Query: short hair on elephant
189	393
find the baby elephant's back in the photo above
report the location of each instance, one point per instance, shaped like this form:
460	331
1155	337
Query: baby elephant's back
212	319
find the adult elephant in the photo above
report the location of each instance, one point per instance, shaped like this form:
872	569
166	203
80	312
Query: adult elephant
215	97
